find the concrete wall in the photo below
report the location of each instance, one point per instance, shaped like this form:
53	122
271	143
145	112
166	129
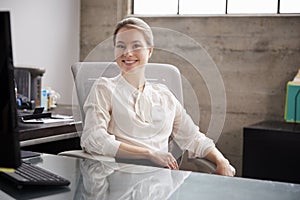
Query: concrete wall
242	62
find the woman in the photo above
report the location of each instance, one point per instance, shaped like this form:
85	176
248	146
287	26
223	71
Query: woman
128	117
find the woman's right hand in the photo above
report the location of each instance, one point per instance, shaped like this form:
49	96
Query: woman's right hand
160	158
164	159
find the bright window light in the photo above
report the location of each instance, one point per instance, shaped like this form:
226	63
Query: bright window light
289	6
202	6
252	6
171	7
155	7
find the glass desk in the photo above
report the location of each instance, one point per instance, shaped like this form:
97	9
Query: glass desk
110	180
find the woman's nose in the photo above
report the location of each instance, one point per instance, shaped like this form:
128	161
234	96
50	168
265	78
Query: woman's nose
127	51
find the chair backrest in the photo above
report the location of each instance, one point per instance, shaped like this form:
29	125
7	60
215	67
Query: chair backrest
85	73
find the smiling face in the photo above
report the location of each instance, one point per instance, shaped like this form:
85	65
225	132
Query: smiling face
131	49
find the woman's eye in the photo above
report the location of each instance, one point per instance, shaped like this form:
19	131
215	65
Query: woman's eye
136	46
120	46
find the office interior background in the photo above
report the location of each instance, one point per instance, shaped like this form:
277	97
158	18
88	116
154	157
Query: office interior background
255	54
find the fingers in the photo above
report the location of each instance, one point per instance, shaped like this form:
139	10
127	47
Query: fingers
172	164
165	159
227	170
232	170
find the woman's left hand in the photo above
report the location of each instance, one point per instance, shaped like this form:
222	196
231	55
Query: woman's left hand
224	168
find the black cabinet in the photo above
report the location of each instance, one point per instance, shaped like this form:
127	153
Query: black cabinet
271	151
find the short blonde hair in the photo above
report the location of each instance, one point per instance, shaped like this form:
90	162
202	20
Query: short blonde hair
136	23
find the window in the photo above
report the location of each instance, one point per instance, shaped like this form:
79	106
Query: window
155	7
252	6
184	7
289	6
207	7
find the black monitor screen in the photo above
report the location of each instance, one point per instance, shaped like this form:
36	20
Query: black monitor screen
9	141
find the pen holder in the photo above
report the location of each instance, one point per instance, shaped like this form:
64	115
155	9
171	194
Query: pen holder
292	103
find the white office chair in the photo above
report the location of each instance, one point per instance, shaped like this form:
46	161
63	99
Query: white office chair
85	73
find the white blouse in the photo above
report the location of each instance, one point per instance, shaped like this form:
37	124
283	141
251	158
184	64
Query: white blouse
117	112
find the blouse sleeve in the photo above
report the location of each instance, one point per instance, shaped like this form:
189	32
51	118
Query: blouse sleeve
188	136
95	138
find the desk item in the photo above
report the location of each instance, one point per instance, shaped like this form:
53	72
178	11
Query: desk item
36	116
53	98
46	117
31	175
47	120
292	103
29	154
29	82
44	99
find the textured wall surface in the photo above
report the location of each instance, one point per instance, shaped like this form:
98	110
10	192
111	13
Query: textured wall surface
242	62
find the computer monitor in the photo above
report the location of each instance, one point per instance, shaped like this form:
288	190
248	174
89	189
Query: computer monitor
9	140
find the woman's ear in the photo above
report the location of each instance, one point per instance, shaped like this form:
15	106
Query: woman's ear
150	52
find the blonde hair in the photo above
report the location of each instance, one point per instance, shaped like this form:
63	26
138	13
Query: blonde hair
136	23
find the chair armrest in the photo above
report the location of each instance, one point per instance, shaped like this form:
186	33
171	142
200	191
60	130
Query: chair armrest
204	165
197	164
83	154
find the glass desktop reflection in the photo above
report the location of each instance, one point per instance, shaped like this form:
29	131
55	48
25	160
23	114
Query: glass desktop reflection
110	180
